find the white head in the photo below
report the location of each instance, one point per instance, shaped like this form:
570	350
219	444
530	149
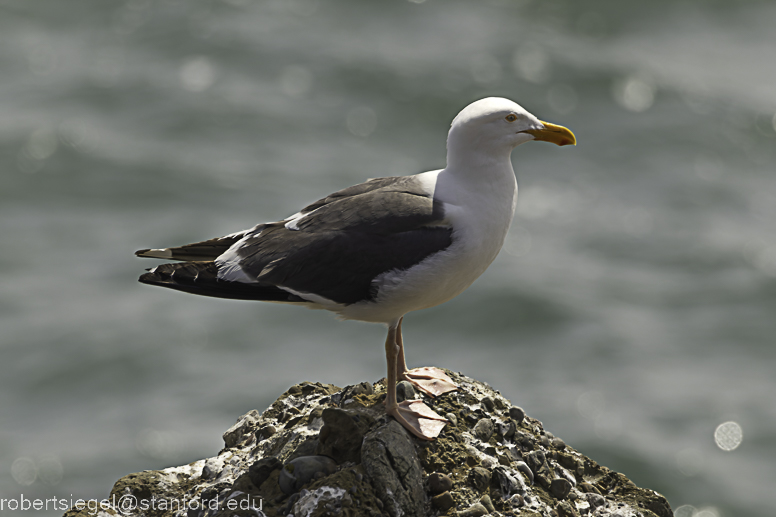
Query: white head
495	126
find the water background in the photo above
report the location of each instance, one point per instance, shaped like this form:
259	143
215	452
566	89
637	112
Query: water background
632	309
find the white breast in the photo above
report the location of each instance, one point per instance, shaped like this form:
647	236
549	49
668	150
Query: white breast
480	218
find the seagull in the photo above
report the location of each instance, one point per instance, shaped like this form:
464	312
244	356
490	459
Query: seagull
380	249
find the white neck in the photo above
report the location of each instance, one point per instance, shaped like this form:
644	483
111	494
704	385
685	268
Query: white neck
481	166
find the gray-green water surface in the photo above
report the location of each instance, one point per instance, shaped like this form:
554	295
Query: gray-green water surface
632	309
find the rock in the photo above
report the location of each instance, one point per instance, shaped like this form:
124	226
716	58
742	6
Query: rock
515	454
438	483
506	482
517	501
483	429
405	391
560	488
443	501
390	461
331	499
487	503
300	471
376	468
507	429
488	404
595	500
588	488
363	388
242	430
517	414
475	510
537	462
479	478
564	509
260	471
342	433
265	432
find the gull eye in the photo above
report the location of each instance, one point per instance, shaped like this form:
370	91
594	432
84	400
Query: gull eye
511	117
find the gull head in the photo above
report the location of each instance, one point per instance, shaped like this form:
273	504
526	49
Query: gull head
495	124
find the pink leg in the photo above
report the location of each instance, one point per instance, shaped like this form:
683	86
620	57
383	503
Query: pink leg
414	415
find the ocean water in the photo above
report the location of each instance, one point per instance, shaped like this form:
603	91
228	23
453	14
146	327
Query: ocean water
633	309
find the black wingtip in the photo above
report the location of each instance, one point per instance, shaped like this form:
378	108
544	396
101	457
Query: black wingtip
139	253
154	278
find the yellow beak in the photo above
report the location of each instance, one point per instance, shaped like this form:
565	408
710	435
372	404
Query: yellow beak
558	135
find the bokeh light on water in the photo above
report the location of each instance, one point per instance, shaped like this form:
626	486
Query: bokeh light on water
728	436
635	92
690	511
24	471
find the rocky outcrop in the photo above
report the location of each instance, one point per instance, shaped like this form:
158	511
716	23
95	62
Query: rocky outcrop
321	450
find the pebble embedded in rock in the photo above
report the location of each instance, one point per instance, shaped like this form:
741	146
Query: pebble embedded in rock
565	509
523	467
536	460
487	503
588	488
560	488
483	430
265	432
487	461
507	429
517	500
488	404
363	388
475	510
294	390
558	443
443	501
517	414
438	483
567	460
453	419
472	418
595	500
479	478
506	483
524	439
544	441
405	391
298	472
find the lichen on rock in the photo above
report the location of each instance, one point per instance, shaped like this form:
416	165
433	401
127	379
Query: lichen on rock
321	450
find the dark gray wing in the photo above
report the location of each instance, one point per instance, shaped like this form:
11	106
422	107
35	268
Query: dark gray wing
342	242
